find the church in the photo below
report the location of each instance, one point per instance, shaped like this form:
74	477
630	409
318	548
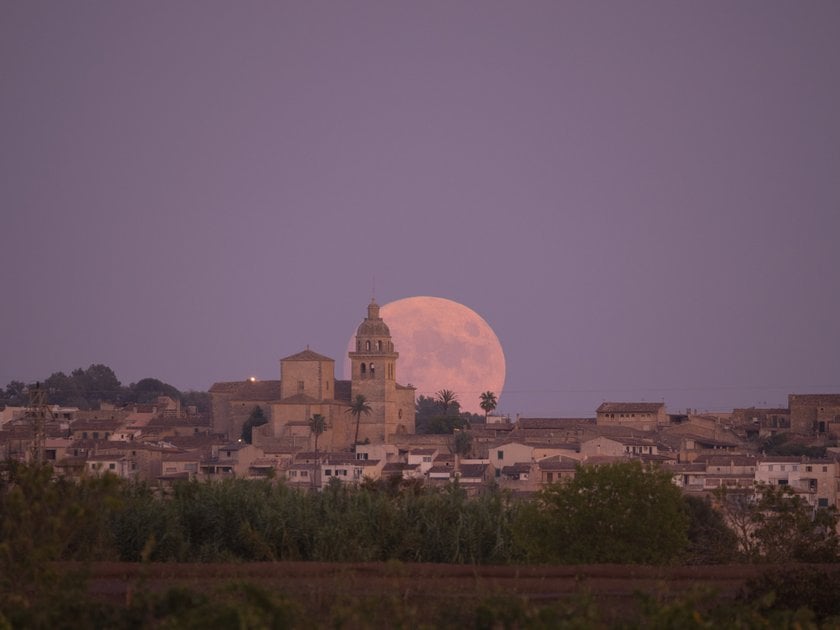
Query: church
308	386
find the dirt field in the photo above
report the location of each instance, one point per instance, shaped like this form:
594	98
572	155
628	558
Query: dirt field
608	584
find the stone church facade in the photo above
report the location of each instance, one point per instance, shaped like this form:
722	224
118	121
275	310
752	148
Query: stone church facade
308	386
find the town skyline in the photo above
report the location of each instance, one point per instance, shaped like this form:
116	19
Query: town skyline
640	200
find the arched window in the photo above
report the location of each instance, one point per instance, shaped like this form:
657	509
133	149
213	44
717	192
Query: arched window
367	345
363	370
372	370
379	346
358	346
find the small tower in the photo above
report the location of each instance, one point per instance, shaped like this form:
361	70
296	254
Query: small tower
373	366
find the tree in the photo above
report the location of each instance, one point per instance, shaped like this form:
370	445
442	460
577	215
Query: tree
623	512
317	425
16	395
359	407
787	529
462	443
446	398
256	419
488	403
147	390
101	384
710	540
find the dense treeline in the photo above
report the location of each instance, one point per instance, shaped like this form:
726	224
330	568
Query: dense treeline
88	388
624	513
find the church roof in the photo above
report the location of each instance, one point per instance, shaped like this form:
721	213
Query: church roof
307	355
248	390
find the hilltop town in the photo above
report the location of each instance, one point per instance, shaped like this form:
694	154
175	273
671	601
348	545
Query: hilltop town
307	429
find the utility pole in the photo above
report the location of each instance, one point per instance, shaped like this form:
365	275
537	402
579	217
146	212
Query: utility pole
38	412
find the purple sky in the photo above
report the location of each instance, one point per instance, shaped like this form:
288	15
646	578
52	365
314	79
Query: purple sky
642	199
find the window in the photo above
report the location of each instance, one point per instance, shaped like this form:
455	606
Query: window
500	454
304	473
379	346
825	469
328	472
783	482
822	502
427	459
550	477
300	386
808	468
367	345
364	370
112	466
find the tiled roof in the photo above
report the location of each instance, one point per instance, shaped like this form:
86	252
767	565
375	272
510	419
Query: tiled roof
248	390
553	423
557	463
632	407
95	425
472	471
307	355
726	460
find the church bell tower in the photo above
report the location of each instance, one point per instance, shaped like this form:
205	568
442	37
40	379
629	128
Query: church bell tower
373	366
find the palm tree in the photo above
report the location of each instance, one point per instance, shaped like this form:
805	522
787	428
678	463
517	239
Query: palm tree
358	407
317	425
445	398
488	403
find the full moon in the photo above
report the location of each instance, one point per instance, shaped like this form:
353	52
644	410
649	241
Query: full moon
443	345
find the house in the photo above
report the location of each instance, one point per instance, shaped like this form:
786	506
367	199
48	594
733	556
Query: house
762	422
618	446
180	465
642	416
231	460
301	474
94	429
350	471
815	480
402	470
120	465
728	470
474	476
556	469
814	414
423	458
691	477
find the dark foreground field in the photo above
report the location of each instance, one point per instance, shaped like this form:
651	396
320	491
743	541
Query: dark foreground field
607	583
398	595
407	595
